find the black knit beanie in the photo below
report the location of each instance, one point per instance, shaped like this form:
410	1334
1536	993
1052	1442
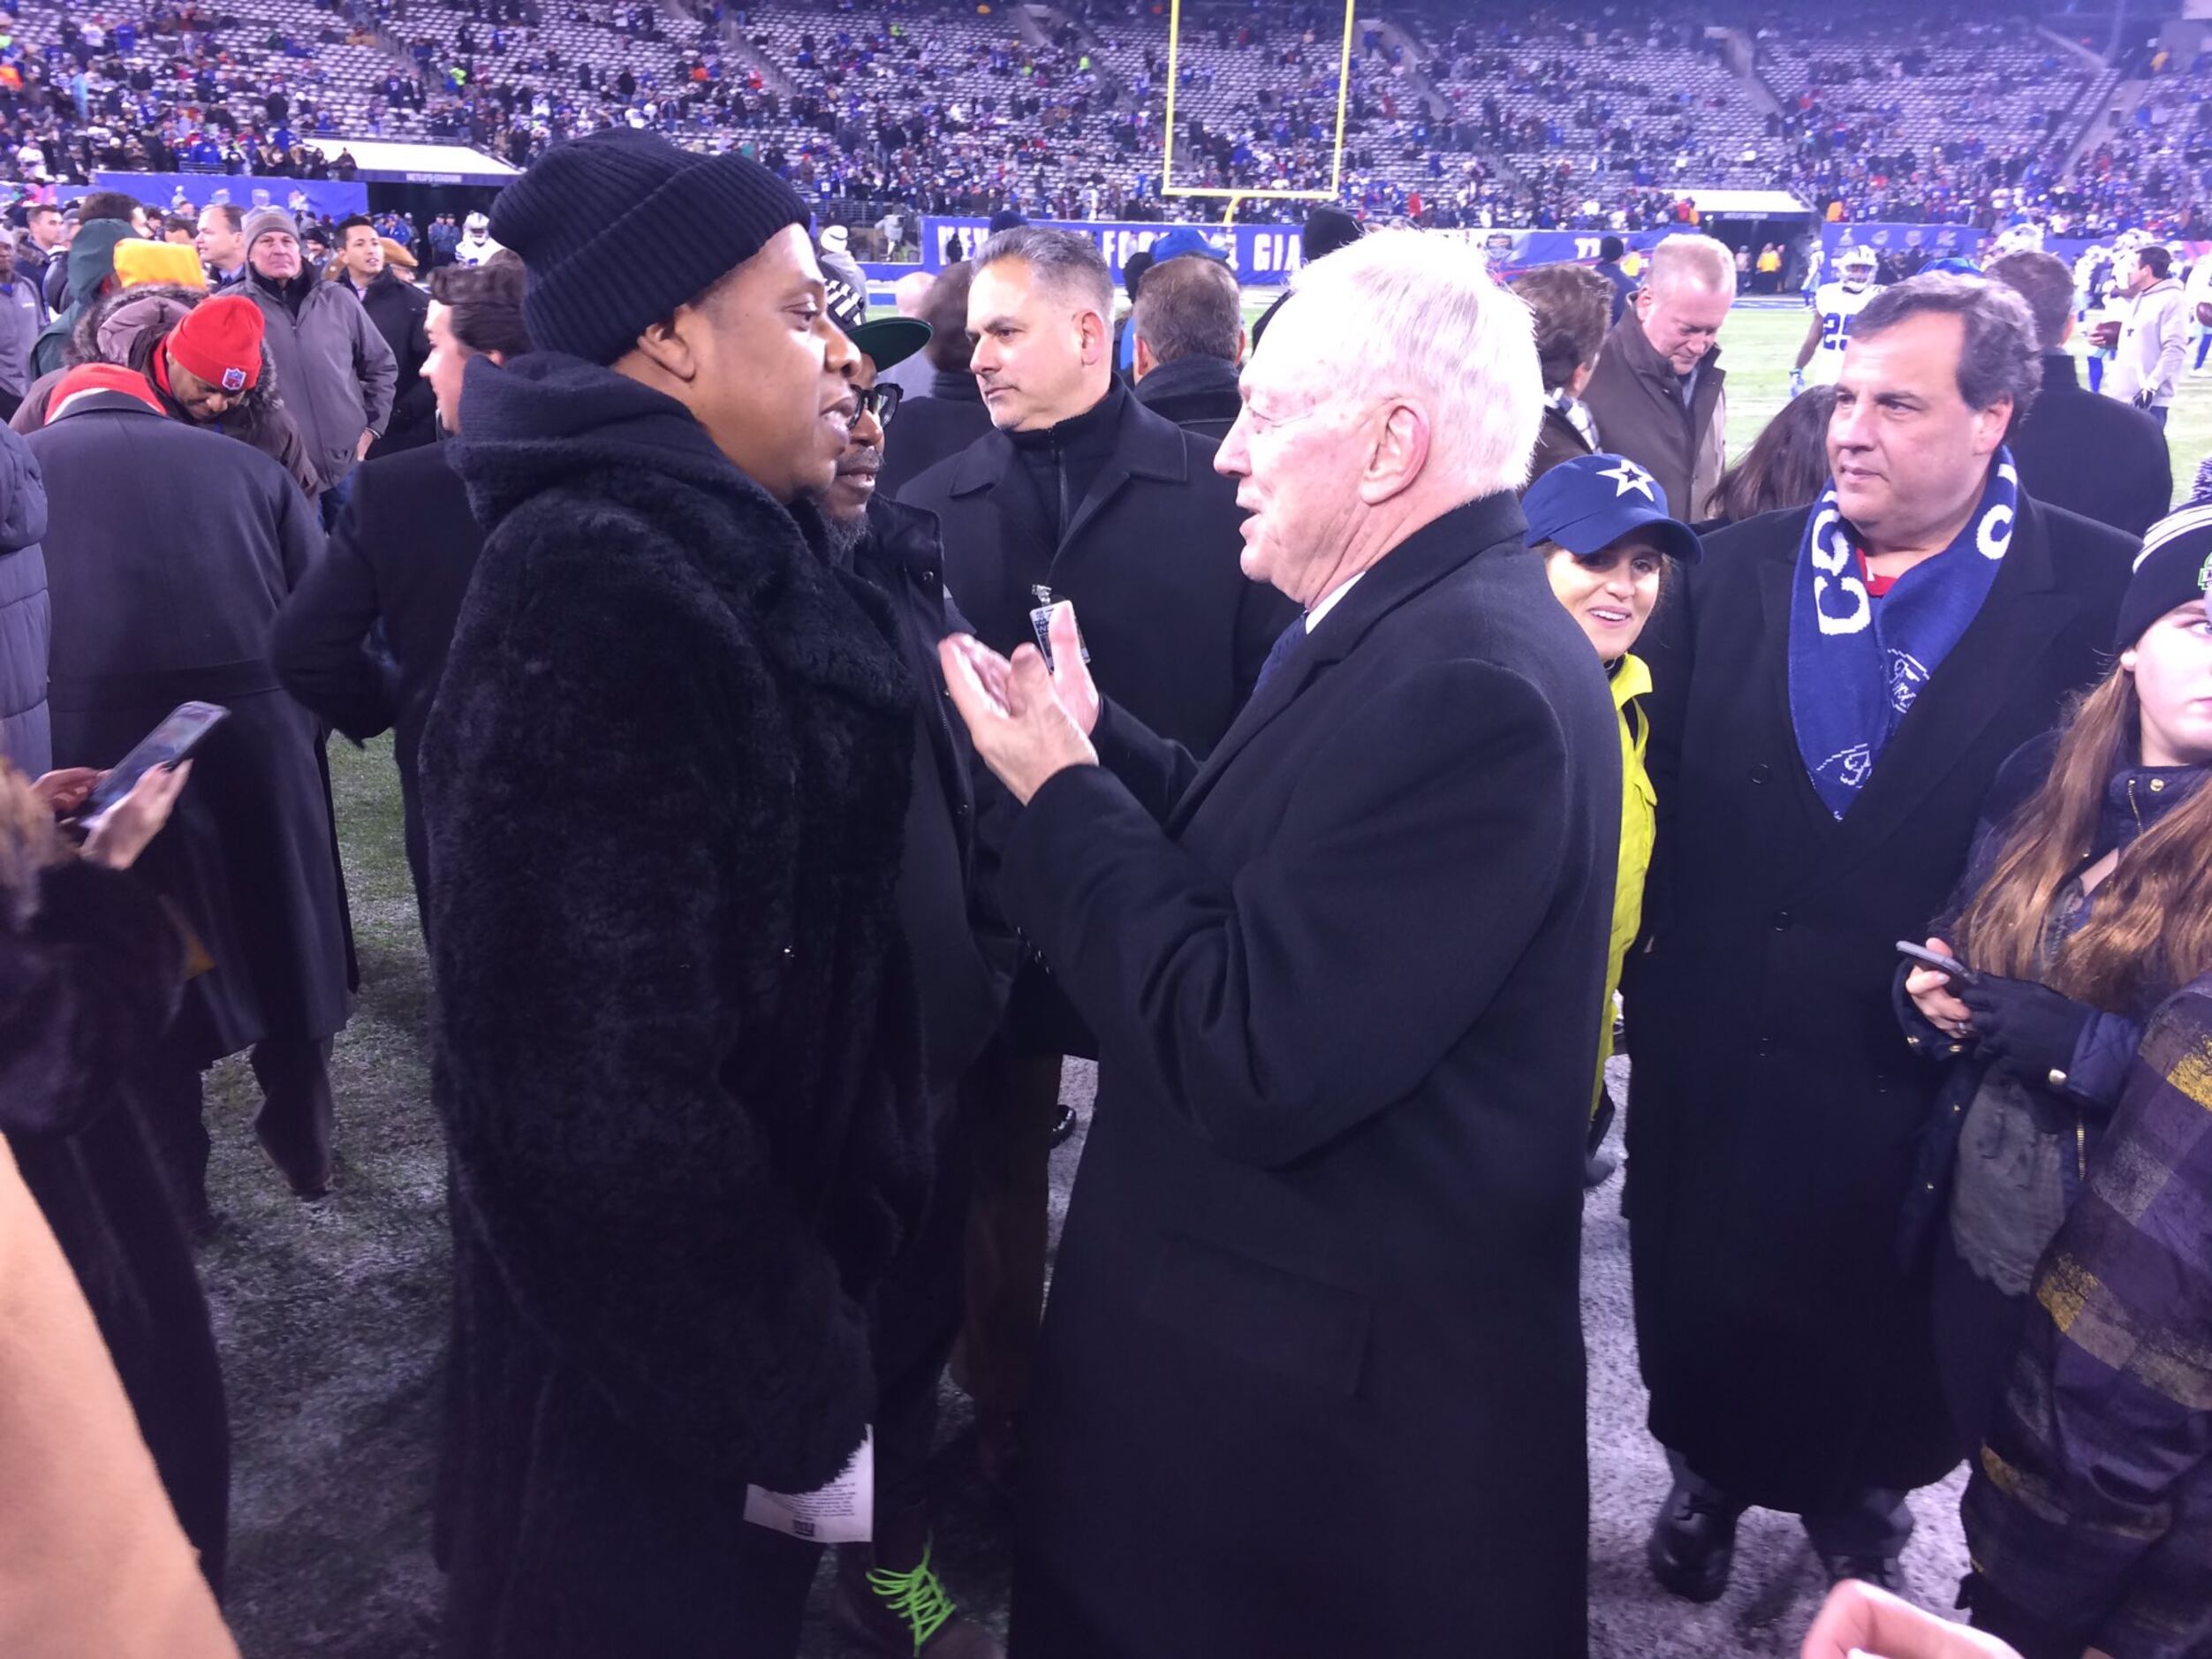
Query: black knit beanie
618	229
2174	567
1327	229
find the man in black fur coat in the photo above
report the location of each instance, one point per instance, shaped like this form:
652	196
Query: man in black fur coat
665	782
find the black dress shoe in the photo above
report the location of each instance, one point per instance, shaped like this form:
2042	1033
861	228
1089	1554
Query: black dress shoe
1884	1572
1065	1126
1692	1546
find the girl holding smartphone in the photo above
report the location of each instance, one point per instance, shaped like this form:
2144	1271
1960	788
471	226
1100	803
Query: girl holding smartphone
2087	903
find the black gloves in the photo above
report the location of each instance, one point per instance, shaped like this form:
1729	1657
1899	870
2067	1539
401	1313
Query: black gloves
2145	397
2030	1025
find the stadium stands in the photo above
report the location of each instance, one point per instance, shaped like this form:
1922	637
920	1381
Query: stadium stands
1571	117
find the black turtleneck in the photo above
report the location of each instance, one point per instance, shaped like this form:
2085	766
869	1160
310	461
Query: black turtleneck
1062	462
958	388
291	292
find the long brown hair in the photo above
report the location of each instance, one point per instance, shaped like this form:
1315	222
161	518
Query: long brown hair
28	846
2151	930
1786	464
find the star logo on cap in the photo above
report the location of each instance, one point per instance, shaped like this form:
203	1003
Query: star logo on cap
1628	476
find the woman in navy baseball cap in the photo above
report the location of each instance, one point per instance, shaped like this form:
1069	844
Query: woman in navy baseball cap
1601	522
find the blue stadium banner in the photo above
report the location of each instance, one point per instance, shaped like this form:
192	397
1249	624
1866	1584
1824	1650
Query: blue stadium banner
188	192
1265	254
1941	241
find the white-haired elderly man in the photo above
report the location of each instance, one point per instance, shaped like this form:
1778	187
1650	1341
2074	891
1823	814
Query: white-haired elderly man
1312	1378
1657	392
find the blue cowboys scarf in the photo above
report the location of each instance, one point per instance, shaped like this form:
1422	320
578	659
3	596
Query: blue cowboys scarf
1857	664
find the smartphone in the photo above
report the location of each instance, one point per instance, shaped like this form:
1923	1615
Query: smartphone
183	730
1959	973
1041	624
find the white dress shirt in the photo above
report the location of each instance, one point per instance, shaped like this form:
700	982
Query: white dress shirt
1328	602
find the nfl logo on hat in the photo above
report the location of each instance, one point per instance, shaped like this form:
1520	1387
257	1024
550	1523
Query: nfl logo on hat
234	380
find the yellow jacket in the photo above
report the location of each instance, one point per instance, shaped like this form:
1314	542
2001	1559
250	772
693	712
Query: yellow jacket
1639	818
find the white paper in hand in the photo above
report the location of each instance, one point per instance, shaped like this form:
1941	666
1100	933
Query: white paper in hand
842	1512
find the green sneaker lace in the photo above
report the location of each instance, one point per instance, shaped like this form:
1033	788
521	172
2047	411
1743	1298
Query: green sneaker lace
916	1596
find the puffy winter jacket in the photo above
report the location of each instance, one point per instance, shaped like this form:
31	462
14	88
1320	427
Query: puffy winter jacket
25	617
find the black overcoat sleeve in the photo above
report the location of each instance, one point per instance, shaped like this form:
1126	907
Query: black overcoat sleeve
1153	769
319	644
86	988
2150	488
1281	1004
1669	650
299	542
995	807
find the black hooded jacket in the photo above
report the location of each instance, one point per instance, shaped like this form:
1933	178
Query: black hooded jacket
675	1043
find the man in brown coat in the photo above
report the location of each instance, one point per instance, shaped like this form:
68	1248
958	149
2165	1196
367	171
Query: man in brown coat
1658	392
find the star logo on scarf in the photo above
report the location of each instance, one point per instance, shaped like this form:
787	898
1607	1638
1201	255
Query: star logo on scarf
1628	476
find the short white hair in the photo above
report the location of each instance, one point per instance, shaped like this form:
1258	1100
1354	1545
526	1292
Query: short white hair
1411	312
1702	259
910	293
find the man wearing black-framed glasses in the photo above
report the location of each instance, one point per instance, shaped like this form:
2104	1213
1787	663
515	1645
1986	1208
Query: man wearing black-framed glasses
889	1596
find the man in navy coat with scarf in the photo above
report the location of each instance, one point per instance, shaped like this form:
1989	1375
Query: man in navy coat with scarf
1312	1376
1835	693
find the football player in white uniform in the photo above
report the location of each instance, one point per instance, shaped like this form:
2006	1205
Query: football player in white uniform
475	246
2197	304
2092	272
2111	314
1834	306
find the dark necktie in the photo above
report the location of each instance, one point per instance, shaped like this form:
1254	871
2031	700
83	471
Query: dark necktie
1279	653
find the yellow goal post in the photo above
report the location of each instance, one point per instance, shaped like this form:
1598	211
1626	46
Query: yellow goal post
1168	187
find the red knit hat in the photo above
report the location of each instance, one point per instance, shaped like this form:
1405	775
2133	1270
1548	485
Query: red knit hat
220	341
101	378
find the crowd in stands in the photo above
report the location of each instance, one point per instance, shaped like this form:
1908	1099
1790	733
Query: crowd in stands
1570	117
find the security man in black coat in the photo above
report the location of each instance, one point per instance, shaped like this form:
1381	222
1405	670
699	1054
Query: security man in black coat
1080	493
362	641
1774	1107
2100	456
